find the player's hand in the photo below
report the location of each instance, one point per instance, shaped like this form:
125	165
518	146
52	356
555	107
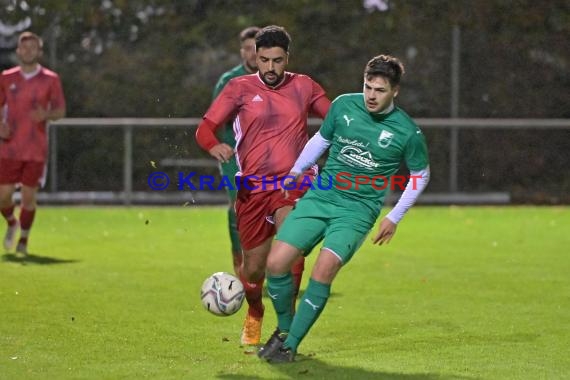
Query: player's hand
386	232
290	178
39	114
222	152
4	130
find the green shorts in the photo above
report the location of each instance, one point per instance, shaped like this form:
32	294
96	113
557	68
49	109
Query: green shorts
314	219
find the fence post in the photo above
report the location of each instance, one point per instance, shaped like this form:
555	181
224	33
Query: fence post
128	165
454	131
53	158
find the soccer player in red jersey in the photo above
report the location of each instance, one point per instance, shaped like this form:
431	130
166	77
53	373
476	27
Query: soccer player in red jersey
270	111
30	96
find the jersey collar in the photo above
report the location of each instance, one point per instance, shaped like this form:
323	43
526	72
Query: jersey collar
32	74
285	79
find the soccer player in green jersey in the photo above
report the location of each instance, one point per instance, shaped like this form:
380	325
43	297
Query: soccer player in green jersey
229	168
368	137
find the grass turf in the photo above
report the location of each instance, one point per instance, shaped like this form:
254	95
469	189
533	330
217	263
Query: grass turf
460	293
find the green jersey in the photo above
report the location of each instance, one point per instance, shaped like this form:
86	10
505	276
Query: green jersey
366	150
228	132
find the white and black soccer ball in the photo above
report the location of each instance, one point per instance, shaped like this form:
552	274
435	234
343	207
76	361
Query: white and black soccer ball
222	294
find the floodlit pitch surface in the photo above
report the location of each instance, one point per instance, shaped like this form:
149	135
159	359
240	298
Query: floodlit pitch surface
460	293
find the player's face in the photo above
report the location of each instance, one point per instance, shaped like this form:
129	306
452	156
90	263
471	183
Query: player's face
271	63
378	93
247	52
29	52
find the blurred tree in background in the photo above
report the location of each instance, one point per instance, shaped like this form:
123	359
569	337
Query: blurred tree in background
161	58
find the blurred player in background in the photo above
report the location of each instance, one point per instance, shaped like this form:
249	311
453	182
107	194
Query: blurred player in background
368	137
229	169
30	96
270	111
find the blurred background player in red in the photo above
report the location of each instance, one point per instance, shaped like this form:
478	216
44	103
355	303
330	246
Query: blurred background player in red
30	96
229	169
270	111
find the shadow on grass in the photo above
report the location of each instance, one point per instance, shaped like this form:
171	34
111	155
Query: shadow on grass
310	368
34	259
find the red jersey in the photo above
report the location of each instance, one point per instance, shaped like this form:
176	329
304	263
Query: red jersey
18	98
270	124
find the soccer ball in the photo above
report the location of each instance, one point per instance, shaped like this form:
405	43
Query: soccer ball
222	294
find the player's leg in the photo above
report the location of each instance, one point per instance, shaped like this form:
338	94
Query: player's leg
301	231
299	265
310	308
281	291
229	171
314	299
256	235
252	276
10	174
31	178
237	255
27	215
344	237
7	209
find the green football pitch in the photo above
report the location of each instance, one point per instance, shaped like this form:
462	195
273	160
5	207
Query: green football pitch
459	293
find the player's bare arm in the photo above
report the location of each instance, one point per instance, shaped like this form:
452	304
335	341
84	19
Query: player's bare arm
42	114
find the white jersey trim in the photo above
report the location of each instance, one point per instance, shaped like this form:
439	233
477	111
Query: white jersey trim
410	195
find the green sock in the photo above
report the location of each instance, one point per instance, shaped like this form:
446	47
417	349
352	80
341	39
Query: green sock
310	307
280	290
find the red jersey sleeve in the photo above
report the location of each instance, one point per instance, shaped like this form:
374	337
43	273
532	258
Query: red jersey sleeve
226	104
320	104
223	108
206	136
56	99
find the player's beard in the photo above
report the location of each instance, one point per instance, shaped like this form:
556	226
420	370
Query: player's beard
276	81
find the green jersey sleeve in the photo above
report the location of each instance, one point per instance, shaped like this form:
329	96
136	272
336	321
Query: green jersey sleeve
416	154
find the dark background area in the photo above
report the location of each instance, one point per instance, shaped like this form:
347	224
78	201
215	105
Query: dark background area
142	58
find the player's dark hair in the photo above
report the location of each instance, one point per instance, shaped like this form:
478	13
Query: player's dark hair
248	33
386	66
272	36
25	36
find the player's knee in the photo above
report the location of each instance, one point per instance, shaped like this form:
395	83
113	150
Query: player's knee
252	273
276	265
326	267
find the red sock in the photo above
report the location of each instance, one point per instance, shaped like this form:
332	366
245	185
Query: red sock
253	293
27	218
8	214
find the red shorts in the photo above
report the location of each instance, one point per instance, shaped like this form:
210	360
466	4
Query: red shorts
255	211
28	173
